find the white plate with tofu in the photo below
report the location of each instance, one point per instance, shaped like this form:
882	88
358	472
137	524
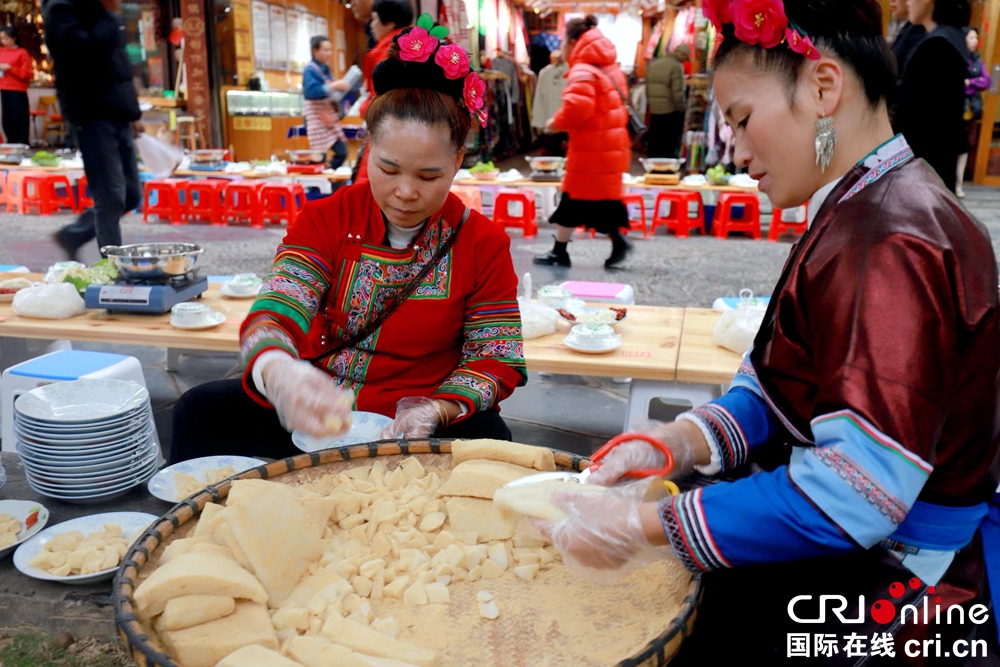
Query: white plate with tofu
177	482
78	544
20	520
365	427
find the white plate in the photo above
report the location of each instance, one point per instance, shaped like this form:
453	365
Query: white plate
82	401
215	318
365	427
226	292
132	523
70	437
107	459
578	311
589	350
162	484
74	494
85	430
21	510
71	476
143	468
63	448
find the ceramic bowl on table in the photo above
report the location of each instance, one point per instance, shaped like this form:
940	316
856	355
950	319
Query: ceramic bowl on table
485	175
554	296
242	286
132	524
592	339
365	427
163	485
546	163
31	515
593	315
195	316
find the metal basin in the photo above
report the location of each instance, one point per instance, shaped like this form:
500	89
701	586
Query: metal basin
661	165
307	156
154	261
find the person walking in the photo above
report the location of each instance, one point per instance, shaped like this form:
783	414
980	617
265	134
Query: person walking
86	39
548	97
978	80
16	72
321	115
593	113
665	92
932	100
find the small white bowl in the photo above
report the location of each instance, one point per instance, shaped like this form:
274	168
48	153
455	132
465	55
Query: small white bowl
554	296
245	284
592	339
189	314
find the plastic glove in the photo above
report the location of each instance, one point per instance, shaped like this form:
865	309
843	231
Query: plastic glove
684	439
307	399
603	536
416	417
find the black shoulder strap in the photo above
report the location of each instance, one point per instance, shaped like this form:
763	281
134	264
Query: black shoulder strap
396	300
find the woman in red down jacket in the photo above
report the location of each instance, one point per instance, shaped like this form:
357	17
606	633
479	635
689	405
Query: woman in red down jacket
593	113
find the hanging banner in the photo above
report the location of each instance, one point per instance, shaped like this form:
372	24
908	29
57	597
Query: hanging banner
260	18
196	64
279	37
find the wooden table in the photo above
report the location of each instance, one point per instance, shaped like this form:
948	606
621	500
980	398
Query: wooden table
189	173
528	183
700	360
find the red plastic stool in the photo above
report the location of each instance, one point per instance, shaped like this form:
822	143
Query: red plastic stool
470	195
3	188
169	200
281	202
526	221
15	189
204	201
640	224
83	198
241	202
679	220
779	226
724	224
41	190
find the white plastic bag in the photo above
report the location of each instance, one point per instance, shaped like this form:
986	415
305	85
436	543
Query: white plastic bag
537	319
159	158
737	328
49	302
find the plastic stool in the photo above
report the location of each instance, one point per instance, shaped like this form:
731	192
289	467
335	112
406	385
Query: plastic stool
779	226
470	195
83	198
3	188
526	220
61	366
169	200
40	190
241	201
640	224
281	202
204	201
679	220
15	189
749	223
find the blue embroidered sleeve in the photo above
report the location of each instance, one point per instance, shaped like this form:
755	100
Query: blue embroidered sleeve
736	423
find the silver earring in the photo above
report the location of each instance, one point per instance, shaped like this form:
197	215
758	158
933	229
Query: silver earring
826	141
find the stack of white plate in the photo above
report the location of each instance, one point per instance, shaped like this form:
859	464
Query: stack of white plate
86	441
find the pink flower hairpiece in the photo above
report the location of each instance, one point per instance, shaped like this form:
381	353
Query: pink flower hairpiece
426	40
760	22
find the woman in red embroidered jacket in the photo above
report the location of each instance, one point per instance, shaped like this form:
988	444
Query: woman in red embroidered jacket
323	337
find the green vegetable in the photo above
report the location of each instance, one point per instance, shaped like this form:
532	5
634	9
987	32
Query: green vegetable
103	272
481	167
46	159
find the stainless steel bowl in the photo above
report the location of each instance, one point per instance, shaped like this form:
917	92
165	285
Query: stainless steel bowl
154	261
545	163
662	165
307	156
13	149
209	155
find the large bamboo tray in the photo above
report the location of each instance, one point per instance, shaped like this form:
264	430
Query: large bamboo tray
141	557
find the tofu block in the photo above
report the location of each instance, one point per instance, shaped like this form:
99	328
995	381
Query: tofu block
388	626
432	521
527	572
437	592
196	574
363	639
526	536
192	610
529	456
277	538
206	644
415	595
291	618
203	528
491	570
256	656
536	499
481	479
319	510
245	489
318	652
311	586
474	515
489	610
498	554
185	485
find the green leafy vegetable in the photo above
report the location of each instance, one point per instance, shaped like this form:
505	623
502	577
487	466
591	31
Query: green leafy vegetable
481	167
103	272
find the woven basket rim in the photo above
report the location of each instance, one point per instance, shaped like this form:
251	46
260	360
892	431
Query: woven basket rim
139	553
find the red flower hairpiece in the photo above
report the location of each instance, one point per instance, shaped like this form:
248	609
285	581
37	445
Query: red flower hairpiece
760	22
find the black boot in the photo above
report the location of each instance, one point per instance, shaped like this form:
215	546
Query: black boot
67	247
620	248
555	257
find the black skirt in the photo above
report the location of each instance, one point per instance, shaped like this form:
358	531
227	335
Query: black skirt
602	215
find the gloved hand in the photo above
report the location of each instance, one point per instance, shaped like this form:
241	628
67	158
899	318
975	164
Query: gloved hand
416	417
306	398
604	536
683	438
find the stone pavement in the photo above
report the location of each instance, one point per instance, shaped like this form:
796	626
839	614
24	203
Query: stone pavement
571	413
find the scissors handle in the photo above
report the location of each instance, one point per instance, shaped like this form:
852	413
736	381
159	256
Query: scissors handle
667	468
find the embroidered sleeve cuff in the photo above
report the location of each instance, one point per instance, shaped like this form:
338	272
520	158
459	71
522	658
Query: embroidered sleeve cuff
725	437
685	526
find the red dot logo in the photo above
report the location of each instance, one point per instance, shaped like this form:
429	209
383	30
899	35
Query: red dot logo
914	583
883	612
931	590
896	590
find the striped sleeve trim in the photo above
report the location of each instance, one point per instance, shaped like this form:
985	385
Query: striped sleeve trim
261	333
478	391
875	437
727	435
684	523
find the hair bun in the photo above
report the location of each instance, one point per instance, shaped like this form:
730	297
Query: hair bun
590	21
394	72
